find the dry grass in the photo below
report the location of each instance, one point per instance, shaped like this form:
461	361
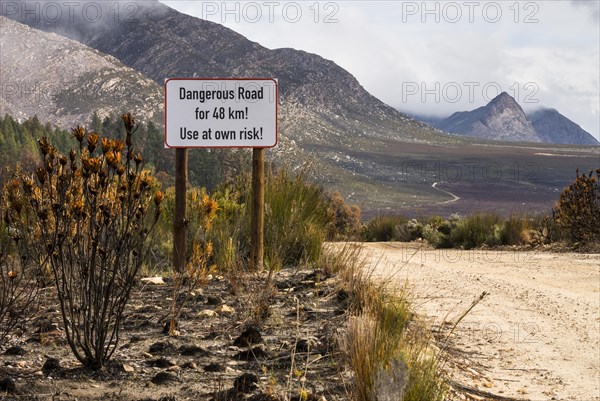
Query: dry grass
387	348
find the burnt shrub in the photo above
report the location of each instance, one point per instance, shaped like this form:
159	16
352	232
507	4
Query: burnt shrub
346	220
577	210
89	216
18	284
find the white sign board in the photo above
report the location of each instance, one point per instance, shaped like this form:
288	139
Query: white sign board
220	113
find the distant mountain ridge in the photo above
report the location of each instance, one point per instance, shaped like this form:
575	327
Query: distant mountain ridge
502	119
321	103
350	141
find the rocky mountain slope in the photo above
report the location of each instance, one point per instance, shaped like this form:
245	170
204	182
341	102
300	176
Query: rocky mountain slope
501	119
64	82
321	103
553	127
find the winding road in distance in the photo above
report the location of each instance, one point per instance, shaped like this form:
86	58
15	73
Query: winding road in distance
454	197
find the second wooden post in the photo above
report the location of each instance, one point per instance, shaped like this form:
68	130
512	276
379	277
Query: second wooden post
258	209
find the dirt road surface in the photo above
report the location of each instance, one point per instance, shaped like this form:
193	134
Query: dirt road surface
535	336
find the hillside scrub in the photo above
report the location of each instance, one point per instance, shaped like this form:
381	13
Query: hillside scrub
476	230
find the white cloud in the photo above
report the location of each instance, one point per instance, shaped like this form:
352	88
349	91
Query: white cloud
592	5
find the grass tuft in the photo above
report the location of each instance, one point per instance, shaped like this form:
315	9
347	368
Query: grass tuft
387	348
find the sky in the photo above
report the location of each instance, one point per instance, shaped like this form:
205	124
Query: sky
437	57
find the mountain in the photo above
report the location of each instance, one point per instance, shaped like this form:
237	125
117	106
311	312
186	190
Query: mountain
64	82
426	118
501	119
321	103
375	156
553	127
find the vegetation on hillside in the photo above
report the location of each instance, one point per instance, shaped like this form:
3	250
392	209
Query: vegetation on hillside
575	220
207	167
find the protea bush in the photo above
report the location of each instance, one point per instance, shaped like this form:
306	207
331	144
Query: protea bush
88	217
578	208
18	285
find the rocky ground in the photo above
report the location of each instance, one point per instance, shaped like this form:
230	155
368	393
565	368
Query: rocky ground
238	340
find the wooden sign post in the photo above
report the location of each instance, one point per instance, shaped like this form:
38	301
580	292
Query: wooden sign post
220	113
179	223
257	229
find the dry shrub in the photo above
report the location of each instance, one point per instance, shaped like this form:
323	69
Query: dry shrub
515	231
578	208
385	348
476	230
201	214
359	345
90	214
18	288
385	228
346	219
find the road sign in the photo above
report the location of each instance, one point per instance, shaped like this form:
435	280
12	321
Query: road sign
221	113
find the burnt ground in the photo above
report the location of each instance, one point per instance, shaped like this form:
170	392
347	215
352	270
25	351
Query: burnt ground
291	328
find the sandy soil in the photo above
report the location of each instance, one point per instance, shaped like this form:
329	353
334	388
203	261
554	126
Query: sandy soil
535	336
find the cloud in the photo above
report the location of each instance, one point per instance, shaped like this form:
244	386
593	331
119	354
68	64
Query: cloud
593	7
552	44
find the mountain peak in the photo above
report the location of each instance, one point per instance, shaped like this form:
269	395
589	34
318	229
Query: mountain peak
504	100
501	119
553	127
503	96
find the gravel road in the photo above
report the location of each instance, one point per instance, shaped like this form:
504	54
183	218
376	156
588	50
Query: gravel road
535	336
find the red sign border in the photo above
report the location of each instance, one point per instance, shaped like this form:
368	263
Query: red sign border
225	79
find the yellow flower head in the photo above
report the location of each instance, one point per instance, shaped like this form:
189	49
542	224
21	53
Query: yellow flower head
27	184
106	145
92	141
44	145
118	145
78	133
158	197
129	121
40	172
78	207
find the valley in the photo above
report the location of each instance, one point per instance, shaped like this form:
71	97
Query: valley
504	178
